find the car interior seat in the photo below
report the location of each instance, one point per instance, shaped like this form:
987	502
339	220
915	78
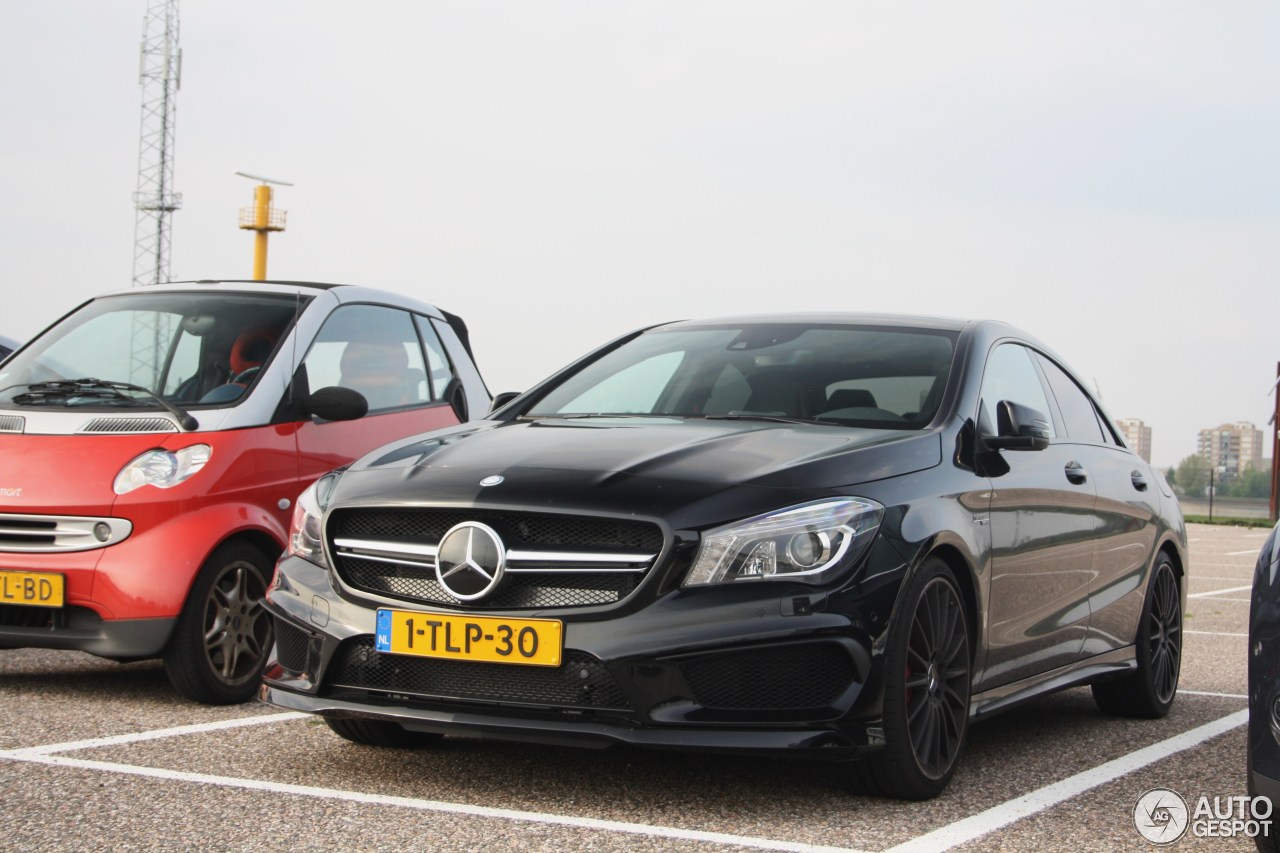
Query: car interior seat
851	398
380	371
251	348
778	392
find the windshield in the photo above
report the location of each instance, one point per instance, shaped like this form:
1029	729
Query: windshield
871	376
189	348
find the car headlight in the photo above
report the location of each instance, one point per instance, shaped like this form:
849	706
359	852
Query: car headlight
306	534
163	469
807	543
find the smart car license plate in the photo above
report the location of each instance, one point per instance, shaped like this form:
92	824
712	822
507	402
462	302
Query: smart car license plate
35	589
534	642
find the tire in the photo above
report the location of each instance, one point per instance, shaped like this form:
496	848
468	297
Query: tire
927	681
1149	690
223	635
380	733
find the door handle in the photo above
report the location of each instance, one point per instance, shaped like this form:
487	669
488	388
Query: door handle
1076	473
1139	481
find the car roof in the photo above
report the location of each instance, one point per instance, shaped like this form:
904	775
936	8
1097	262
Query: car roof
827	318
344	292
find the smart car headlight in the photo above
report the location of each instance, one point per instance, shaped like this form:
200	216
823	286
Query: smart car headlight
306	534
807	543
163	469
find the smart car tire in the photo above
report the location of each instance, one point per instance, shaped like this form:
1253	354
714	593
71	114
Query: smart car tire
1149	690
928	670
380	733
223	634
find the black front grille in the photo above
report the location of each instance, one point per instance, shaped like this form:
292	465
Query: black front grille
20	616
291	646
580	682
791	677
584	586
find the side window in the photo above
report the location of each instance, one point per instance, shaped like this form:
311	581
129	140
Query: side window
373	350
1010	375
1078	413
439	369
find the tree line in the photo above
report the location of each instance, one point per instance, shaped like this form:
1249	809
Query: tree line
1191	479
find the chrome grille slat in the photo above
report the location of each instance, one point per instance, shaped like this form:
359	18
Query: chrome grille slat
12	423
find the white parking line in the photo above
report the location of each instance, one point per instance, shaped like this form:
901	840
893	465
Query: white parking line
1252	552
976	826
424	805
1220	591
1214	695
155	734
1216	634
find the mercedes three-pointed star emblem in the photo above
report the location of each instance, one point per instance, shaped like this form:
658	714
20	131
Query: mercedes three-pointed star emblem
470	560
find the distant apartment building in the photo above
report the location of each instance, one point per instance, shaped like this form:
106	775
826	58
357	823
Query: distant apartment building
1137	435
1232	448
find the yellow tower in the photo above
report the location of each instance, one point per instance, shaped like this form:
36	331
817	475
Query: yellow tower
261	218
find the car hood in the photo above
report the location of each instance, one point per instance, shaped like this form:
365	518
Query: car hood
629	465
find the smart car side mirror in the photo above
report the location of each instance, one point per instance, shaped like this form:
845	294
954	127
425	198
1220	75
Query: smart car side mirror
335	403
1019	427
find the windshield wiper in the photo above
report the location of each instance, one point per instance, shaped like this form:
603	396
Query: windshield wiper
768	416
62	389
572	416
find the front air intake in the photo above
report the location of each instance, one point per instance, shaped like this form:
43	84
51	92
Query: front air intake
129	425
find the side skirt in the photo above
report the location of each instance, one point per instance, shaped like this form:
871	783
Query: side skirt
1084	671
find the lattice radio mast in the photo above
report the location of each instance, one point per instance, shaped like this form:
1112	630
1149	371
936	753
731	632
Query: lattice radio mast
160	75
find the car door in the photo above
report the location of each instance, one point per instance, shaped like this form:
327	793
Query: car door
1042	523
395	360
1126	507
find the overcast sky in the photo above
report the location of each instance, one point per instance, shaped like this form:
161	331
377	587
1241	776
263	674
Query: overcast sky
1104	174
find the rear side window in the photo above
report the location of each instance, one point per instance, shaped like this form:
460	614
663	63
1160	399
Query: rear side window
1078	413
439	369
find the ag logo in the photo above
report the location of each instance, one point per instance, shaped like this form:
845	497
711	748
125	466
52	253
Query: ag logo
1161	816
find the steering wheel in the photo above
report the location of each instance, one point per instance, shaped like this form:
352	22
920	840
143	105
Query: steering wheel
245	376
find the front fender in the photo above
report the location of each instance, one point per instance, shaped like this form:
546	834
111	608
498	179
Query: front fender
149	574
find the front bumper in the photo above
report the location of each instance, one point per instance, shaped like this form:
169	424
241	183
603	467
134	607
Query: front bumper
831	743
80	629
739	670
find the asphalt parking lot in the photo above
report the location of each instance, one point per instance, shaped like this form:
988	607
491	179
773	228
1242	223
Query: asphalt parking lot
95	755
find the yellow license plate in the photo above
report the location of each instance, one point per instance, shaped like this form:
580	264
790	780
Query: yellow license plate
533	642
36	589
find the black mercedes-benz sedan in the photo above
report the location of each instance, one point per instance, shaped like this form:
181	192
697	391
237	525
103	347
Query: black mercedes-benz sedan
842	536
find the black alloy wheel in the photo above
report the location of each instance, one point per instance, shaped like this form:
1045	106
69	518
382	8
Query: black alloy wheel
928	671
1149	690
220	644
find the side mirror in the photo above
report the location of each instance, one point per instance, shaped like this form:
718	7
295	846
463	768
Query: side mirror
335	403
502	399
1019	427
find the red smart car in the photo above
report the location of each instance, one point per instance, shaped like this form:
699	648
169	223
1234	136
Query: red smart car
153	442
